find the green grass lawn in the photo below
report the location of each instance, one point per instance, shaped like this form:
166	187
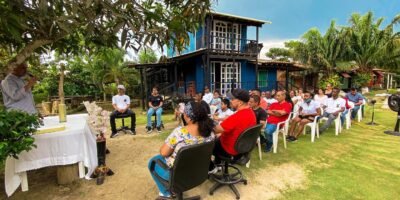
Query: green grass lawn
360	163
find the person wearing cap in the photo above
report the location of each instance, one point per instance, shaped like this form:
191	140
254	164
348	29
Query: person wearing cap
231	128
277	112
155	106
121	103
17	93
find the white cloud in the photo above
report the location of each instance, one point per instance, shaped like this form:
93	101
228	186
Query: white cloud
272	43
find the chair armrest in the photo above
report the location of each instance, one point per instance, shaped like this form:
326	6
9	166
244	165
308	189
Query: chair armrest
162	165
316	118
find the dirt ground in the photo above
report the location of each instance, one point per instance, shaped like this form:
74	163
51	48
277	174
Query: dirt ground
132	180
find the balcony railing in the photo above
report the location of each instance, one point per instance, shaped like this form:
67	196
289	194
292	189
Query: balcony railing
230	45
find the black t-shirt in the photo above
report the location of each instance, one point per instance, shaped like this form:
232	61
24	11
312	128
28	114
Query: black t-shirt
261	115
155	100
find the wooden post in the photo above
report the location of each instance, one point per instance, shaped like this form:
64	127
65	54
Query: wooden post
66	174
257	58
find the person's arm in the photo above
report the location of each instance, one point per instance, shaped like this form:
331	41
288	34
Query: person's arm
128	103
360	101
10	88
279	113
165	150
218	129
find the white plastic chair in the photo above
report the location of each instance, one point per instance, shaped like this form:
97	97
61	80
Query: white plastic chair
284	130
338	126
313	125
359	113
348	115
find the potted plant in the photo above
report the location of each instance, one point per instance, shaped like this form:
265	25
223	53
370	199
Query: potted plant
16	130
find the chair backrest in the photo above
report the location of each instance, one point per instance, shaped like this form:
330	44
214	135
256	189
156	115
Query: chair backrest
248	139
190	168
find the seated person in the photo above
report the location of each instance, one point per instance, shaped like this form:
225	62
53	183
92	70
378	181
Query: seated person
216	101
261	114
198	98
308	110
333	106
231	128
198	130
348	106
357	99
155	106
277	112
263	103
208	96
121	103
224	112
269	98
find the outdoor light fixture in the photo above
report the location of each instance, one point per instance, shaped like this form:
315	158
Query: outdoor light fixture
394	104
373	101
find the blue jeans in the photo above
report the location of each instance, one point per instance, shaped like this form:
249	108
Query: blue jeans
354	112
343	117
150	113
269	131
164	174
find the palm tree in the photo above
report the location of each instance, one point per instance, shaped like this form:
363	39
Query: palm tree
322	52
369	45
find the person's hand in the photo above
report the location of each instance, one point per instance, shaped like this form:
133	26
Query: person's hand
32	81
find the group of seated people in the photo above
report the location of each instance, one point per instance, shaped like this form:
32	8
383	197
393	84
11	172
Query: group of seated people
240	110
121	104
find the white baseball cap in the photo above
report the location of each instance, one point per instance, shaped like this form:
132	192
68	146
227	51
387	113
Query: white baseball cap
121	87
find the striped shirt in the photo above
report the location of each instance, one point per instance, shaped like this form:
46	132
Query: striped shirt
14	95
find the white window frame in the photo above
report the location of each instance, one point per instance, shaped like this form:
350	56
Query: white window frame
222	33
229	71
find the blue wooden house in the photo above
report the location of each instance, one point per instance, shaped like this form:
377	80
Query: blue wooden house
222	55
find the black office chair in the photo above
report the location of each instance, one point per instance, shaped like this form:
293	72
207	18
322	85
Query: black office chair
123	128
244	144
190	169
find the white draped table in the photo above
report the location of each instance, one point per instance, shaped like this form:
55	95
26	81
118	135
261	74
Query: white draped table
75	144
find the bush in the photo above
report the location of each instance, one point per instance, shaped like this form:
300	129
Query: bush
16	129
361	80
334	80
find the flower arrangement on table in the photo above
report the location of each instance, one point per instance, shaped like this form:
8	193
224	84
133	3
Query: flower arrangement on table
99	122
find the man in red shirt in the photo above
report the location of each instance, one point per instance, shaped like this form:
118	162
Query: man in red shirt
277	112
230	129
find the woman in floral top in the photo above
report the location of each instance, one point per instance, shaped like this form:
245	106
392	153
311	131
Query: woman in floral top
198	130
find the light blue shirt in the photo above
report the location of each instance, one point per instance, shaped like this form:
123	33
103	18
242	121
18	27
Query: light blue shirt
14	95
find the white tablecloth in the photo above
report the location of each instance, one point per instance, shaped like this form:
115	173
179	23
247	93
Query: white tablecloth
74	144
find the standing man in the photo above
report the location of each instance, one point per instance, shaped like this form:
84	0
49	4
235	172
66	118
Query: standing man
277	112
333	106
17	93
357	99
208	96
155	106
121	103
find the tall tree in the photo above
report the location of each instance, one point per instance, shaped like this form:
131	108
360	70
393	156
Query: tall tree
146	56
28	26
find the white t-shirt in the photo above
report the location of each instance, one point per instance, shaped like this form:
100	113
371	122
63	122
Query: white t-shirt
271	101
310	108
208	97
121	101
334	105
222	114
320	100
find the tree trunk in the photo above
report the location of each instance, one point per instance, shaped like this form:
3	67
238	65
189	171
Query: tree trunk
61	84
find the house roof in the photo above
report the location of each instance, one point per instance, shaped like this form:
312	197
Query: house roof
281	65
247	20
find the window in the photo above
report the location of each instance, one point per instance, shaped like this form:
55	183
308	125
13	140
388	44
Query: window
226	36
225	76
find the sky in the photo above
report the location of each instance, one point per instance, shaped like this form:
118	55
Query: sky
292	18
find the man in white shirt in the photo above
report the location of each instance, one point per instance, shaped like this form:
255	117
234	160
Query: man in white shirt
333	106
268	97
121	103
17	93
208	96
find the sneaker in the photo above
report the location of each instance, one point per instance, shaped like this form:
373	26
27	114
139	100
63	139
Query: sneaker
159	129
132	132
243	160
149	129
268	150
288	137
215	170
113	135
293	139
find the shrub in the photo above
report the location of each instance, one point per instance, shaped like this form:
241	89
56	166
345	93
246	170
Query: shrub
334	80
16	130
361	80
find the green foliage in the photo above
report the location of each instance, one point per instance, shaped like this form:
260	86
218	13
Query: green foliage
16	129
280	54
361	79
147	55
39	26
334	80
